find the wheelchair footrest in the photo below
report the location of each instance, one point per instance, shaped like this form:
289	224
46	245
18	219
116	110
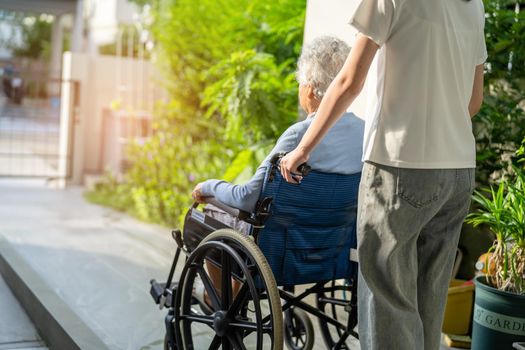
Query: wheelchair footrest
159	290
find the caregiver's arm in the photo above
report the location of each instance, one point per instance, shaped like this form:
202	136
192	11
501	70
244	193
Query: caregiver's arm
342	91
477	92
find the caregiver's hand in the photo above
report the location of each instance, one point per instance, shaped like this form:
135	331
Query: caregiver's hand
290	163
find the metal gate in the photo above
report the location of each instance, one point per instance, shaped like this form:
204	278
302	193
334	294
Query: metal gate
36	134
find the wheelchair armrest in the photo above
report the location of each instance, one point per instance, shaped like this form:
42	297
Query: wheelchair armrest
241	214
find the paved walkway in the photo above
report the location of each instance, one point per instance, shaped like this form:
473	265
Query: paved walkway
97	260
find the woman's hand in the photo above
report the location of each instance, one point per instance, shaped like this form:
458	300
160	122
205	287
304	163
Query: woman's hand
197	194
289	164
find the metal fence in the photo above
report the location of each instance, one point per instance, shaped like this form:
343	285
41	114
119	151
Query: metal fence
36	135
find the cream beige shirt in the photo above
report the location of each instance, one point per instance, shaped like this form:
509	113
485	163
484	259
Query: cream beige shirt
423	80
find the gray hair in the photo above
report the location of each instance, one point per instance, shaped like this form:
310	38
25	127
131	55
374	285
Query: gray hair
319	63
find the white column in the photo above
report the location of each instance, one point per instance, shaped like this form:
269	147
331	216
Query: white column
64	159
75	67
330	17
57	38
77	37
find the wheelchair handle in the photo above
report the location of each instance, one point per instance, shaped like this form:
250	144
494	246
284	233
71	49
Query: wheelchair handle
304	168
241	214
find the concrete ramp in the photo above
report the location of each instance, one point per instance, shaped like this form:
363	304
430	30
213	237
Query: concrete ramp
82	271
55	321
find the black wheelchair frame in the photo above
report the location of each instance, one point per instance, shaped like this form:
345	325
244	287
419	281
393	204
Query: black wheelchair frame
298	329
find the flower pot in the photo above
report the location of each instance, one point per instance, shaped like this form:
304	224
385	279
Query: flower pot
499	318
458	312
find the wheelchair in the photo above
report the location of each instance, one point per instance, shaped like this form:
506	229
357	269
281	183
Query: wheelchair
302	237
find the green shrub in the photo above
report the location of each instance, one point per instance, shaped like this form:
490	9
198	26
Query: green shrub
503	211
230	69
500	125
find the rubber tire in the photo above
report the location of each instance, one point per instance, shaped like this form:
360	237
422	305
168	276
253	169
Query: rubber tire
308	326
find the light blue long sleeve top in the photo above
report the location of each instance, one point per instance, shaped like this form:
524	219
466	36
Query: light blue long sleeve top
339	152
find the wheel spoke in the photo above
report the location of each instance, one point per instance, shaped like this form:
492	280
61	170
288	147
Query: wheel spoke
208	286
268	329
215	343
244	325
226	345
226	293
236	340
266	318
239	301
198	318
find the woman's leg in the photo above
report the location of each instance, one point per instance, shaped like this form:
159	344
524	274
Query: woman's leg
437	246
215	275
395	207
214	271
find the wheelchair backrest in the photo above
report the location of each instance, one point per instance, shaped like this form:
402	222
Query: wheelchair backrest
311	228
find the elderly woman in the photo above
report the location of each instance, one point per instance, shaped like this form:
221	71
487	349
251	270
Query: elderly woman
340	152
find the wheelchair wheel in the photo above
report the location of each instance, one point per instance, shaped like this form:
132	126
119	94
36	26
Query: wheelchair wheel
298	330
249	318
334	301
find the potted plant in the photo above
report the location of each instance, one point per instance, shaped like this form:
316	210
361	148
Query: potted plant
499	308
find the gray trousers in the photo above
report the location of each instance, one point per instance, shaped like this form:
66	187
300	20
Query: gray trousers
409	221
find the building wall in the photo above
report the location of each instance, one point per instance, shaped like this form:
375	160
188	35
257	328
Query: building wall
330	17
8	32
105	18
125	86
103	24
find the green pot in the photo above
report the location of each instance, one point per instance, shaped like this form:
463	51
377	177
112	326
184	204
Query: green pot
499	318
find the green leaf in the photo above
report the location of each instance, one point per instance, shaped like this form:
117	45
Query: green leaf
239	164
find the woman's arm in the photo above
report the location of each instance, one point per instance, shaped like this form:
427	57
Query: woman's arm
342	91
477	92
244	196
